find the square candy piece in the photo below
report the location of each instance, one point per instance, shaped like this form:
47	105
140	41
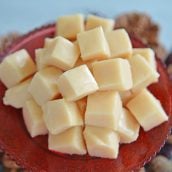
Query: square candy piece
142	73
128	128
69	26
95	21
77	83
60	115
103	109
33	118
147	110
43	86
113	74
70	141
101	142
119	43
61	53
148	54
93	44
16	67
17	96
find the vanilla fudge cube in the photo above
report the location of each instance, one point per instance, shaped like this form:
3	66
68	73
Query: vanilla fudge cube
16	96
93	44
49	41
113	74
61	53
43	86
70	141
77	83
82	104
33	118
103	109
101	142
39	58
128	128
60	115
95	21
147	110
148	54
142	73
16	67
119	43
69	26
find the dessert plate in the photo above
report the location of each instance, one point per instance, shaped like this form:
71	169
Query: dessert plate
32	153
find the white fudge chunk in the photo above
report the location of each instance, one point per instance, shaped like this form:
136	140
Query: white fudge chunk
119	43
70	141
93	44
43	86
77	83
142	73
147	110
113	74
69	26
103	109
39	58
16	67
33	118
59	115
61	53
148	54
101	142
95	21
16	96
128	128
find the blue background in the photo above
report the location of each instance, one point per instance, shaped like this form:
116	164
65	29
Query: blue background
24	15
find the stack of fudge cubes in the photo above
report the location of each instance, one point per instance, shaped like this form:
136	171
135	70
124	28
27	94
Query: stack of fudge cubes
87	90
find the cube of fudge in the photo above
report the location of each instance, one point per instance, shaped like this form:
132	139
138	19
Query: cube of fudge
128	128
101	142
33	118
61	53
82	104
77	83
16	67
95	21
70	141
148	54
49	41
60	115
43	86
39	58
142	73
113	74
119	43
103	109
69	26
17	96
147	110
93	44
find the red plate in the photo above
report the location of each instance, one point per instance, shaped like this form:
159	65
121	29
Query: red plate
32	154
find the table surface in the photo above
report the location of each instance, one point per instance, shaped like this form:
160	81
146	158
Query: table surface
23	16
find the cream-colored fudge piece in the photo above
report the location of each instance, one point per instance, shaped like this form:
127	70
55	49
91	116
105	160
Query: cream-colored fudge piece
33	118
113	74
93	44
119	43
61	53
43	86
77	83
142	73
95	21
60	114
82	104
70	141
104	109
148	54
69	26
128	128
147	110
49	41
16	96
16	67
101	142
39	58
